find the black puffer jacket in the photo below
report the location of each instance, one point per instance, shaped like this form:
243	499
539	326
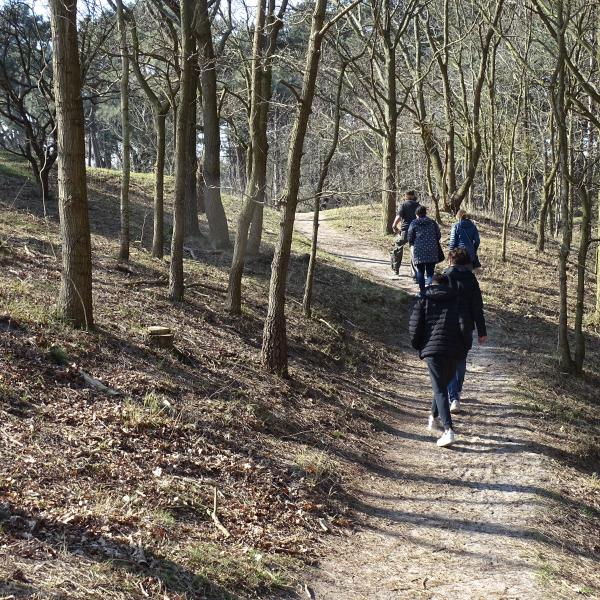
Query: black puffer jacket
438	326
464	282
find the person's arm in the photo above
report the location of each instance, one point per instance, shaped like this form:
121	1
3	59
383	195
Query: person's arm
477	311
453	237
476	239
416	325
395	223
410	236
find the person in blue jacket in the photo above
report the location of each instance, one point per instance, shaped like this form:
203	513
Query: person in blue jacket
465	235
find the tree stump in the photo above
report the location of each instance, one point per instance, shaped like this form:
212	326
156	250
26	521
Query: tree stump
160	337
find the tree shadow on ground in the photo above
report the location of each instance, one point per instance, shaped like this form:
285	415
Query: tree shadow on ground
81	541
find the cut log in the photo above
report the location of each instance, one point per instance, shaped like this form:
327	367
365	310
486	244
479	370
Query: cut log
157	330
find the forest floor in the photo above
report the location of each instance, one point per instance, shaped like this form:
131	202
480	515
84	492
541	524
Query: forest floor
106	493
501	514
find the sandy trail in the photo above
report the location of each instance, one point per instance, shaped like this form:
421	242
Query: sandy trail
438	524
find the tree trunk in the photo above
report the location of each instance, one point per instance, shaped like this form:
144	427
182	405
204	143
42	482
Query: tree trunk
274	347
584	244
388	175
125	132
159	186
560	114
215	213
258	143
75	298
506	212
308	287
274	23
200	187
188	91
192	227
547	192
597	311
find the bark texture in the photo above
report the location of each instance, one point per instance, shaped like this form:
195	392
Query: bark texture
188	91
75	298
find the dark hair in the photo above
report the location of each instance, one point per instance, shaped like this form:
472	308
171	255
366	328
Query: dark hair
421	211
459	256
410	193
440	279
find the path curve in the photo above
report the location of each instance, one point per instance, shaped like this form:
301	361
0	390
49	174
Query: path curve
437	524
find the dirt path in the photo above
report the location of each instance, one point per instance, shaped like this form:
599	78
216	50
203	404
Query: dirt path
438	524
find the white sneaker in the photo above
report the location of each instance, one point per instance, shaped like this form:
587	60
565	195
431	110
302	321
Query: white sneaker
447	439
434	424
455	406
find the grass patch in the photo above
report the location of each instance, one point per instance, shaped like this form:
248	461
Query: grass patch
240	570
317	467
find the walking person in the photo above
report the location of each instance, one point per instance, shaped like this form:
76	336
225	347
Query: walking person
424	237
464	283
437	331
465	235
404	217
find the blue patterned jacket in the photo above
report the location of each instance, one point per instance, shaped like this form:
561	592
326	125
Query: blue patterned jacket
424	235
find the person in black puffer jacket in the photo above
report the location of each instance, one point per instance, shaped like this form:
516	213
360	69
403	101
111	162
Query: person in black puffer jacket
463	281
439	330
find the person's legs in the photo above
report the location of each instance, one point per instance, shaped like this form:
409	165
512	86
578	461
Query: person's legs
421	276
440	370
430	269
413	269
456	383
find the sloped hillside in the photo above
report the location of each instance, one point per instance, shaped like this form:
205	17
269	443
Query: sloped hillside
115	453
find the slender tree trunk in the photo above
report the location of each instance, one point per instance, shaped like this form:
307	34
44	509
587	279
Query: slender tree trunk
506	211
188	91
98	158
125	129
388	176
45	183
215	213
547	193
200	187
274	23
192	227
252	192
560	114
274	354
75	298
308	287
584	244
597	311
158	235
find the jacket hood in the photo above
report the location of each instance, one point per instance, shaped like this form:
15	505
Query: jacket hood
440	293
459	272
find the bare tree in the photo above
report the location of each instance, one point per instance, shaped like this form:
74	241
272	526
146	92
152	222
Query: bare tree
335	136
26	98
75	298
188	94
215	213
274	355
125	133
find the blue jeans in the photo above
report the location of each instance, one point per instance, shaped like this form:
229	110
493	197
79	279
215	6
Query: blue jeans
421	269
441	369
456	384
